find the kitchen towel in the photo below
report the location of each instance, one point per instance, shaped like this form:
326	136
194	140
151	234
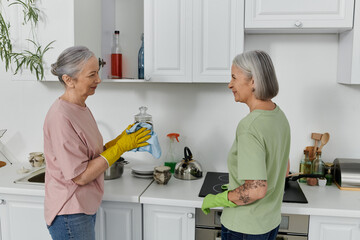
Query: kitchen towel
154	146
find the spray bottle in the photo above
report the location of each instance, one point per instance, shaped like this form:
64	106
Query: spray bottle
170	156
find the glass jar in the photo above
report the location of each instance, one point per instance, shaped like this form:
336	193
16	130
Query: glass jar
305	166
143	116
318	166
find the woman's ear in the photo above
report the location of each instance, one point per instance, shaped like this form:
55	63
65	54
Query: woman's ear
252	84
68	81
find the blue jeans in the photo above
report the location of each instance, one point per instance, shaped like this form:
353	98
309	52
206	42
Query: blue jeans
227	234
73	226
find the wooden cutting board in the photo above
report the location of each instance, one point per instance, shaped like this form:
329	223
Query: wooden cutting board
2	164
347	188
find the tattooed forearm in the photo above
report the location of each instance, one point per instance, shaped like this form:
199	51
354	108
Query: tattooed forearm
249	192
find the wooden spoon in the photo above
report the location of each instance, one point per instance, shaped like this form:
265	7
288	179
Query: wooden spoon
324	140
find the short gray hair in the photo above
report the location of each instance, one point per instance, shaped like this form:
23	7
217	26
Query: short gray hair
70	62
257	65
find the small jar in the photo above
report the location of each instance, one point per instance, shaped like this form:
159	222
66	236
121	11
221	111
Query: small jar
162	174
322	182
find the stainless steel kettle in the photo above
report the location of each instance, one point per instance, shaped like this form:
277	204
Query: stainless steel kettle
188	169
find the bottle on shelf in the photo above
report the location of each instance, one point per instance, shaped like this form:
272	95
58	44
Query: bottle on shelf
116	57
141	59
318	166
305	166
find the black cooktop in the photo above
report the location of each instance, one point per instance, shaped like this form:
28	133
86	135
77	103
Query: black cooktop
214	180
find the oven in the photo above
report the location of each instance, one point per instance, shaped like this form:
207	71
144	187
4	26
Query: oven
292	227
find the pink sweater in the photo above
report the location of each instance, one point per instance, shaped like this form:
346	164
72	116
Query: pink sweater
71	140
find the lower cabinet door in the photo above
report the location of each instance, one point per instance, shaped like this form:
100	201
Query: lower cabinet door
22	217
334	228
168	222
118	220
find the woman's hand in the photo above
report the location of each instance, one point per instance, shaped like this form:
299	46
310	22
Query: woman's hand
113	142
249	192
125	143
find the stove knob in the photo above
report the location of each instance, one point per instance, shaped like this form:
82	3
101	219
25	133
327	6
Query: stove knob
190	215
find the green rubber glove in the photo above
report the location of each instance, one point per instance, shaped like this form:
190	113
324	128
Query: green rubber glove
126	143
113	142
218	200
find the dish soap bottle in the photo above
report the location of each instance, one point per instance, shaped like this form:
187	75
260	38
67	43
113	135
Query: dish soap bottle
329	176
141	59
116	57
143	116
170	157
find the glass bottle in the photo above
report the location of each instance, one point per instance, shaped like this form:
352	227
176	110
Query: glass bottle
141	59
116	57
143	116
318	166
305	166
329	176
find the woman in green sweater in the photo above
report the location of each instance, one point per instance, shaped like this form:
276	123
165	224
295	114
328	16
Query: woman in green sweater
258	159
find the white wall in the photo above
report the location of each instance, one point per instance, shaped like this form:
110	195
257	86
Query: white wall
205	115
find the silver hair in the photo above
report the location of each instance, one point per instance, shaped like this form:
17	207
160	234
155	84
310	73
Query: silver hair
257	65
70	62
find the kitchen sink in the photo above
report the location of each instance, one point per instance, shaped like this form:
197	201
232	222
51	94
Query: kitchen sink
36	177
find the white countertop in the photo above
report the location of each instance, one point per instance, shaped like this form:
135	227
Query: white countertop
124	189
322	201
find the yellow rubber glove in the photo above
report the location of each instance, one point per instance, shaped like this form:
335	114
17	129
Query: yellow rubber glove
126	143
113	142
218	200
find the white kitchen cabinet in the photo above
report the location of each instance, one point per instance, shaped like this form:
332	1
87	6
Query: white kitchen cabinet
298	15
192	41
168	222
349	52
22	217
114	220
119	220
334	228
68	22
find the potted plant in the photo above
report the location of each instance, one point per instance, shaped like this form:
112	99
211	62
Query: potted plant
26	58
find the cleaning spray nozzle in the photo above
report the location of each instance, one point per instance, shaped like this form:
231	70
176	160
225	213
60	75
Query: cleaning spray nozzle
174	135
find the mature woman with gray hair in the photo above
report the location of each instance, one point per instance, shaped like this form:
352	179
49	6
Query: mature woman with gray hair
74	153
258	159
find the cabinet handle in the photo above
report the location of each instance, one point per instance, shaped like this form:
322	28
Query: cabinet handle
190	215
147	77
101	63
298	24
2	202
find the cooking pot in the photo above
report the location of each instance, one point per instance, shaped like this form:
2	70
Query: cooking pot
115	170
188	169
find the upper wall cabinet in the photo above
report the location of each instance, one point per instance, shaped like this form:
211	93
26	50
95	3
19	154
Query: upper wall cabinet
192	40
349	52
296	16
